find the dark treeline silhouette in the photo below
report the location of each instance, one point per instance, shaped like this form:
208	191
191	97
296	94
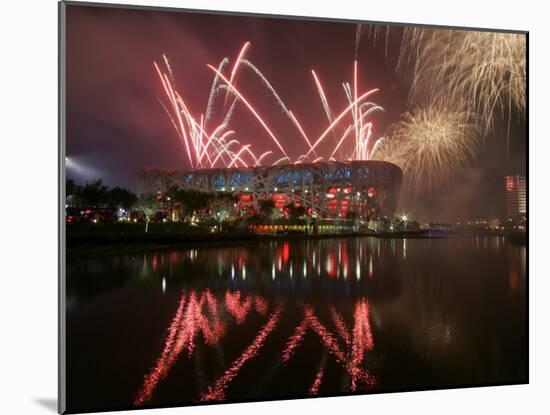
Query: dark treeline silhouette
96	194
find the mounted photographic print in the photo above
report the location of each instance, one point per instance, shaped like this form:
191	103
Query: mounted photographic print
259	207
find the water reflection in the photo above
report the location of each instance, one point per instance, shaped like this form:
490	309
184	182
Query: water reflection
356	344
203	317
285	319
517	262
324	264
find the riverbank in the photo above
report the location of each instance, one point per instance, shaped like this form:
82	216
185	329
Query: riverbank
108	244
99	241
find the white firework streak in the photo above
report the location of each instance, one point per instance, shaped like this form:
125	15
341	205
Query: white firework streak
282	159
323	97
213	91
259	159
268	85
167	63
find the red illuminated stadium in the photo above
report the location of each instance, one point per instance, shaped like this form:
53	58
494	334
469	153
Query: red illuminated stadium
368	189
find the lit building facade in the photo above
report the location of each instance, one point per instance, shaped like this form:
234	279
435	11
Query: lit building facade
368	189
516	197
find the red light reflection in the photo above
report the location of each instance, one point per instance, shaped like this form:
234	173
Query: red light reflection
341	327
190	320
217	392
167	358
201	316
286	252
350	360
238	309
295	340
261	305
314	389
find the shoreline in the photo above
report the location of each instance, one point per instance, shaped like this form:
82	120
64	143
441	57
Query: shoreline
96	245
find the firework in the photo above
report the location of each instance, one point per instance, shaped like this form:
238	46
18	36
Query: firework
235	68
375	33
362	151
323	97
203	149
267	84
358	35
250	107
430	143
349	108
484	72
214	90
302	132
207	147
168	67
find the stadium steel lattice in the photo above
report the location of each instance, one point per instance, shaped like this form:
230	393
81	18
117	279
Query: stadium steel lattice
366	188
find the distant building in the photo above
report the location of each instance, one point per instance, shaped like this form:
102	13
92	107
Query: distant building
516	197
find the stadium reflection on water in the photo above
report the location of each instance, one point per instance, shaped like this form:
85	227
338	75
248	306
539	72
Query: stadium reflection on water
295	318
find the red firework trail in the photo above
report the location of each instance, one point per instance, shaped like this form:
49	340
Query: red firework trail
206	149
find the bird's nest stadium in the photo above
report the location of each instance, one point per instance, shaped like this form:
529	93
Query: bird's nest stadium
368	189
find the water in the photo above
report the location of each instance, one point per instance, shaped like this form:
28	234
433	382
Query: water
294	319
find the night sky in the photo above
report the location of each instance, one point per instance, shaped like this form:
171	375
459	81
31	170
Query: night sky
116	125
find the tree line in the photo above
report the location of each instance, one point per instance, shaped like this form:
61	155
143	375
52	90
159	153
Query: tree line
96	194
188	204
